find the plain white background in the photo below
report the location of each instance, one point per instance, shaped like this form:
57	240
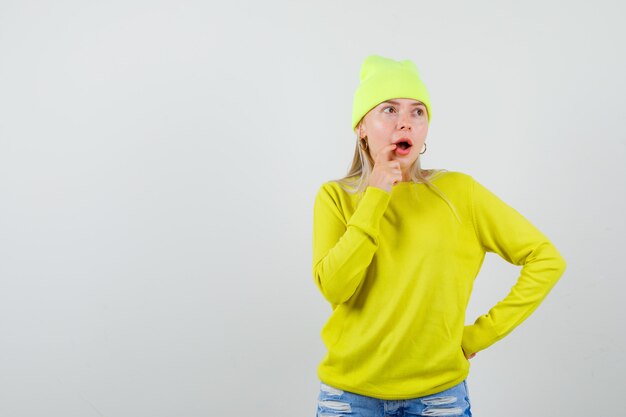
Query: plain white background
159	161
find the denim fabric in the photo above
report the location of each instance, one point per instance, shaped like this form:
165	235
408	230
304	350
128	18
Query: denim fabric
334	402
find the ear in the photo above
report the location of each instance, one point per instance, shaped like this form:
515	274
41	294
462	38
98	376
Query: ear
360	130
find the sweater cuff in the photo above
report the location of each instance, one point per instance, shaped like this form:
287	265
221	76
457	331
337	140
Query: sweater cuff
477	337
370	210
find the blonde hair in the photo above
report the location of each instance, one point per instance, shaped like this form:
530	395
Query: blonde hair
357	178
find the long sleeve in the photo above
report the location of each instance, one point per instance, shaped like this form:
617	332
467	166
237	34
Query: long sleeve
342	250
504	231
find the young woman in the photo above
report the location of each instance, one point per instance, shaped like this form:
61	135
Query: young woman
396	249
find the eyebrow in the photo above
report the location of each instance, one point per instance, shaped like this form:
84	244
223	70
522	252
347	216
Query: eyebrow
397	103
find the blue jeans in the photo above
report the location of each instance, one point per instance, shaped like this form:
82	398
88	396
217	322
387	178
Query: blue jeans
334	402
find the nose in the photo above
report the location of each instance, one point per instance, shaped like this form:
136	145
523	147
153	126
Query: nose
403	122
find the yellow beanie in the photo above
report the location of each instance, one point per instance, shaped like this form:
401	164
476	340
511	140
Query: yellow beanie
385	79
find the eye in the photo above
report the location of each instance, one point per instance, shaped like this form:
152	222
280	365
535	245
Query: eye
388	107
420	111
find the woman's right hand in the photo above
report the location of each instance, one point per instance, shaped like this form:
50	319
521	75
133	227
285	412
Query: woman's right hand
386	172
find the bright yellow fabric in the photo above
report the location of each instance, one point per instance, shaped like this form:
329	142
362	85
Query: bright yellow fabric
398	271
384	79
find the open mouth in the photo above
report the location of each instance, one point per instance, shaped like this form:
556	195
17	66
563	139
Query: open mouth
403	145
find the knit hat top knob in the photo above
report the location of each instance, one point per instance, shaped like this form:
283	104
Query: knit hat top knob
385	79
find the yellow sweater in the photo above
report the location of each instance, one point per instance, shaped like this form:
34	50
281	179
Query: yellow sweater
398	272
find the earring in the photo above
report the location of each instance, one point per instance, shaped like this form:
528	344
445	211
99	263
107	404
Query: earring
424	151
363	141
